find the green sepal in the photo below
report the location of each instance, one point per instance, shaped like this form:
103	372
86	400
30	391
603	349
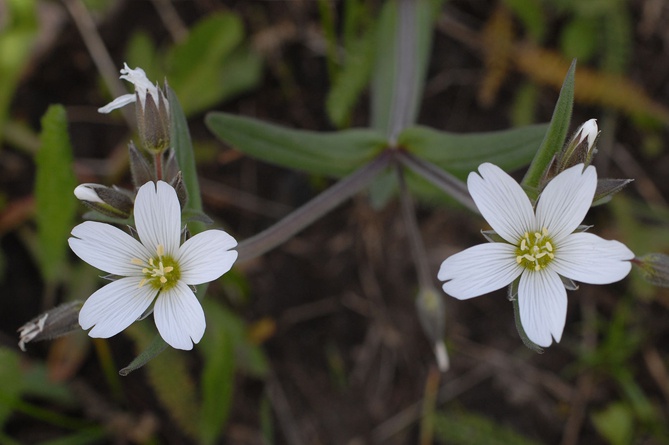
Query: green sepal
555	136
333	154
606	188
157	346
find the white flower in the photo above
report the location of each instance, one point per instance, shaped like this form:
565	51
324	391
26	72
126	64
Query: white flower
155	268
540	247
142	87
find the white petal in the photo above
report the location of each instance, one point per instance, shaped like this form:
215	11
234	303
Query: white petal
542	300
119	102
590	259
142	84
502	202
565	201
589	129
107	248
115	307
479	270
206	256
158	217
86	192
179	317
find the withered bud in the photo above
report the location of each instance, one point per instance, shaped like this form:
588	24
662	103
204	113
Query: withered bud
109	201
54	323
654	268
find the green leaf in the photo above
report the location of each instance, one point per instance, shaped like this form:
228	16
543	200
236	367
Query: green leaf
402	54
460	154
11	387
210	64
218	374
54	197
18	30
331	154
183	148
556	134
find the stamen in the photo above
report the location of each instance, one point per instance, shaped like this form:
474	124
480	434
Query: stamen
535	250
160	250
137	261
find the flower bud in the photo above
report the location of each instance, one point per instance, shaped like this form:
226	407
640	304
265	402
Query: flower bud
54	323
180	187
108	201
432	316
581	147
153	122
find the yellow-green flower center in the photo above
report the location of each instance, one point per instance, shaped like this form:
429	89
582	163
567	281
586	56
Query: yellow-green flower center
162	271
535	250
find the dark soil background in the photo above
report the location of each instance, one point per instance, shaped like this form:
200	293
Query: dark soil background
349	361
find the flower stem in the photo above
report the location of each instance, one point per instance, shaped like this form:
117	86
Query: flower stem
415	240
311	211
158	158
442	179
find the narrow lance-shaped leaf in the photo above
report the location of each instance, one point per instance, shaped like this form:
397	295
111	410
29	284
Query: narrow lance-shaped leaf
217	375
404	38
460	154
183	148
54	186
333	154
555	136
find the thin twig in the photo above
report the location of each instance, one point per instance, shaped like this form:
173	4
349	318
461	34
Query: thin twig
311	211
173	23
442	179
415	240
